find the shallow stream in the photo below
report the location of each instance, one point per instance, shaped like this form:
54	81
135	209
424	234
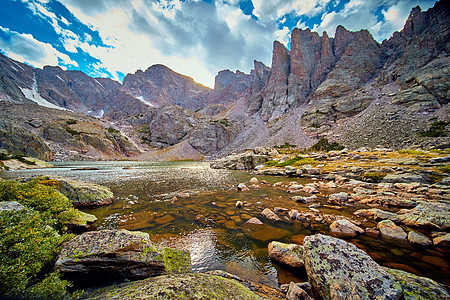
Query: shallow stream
208	224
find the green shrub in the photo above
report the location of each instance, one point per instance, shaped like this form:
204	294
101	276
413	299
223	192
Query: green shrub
444	169
113	130
71	122
27	244
4	156
375	176
324	145
41	198
22	159
436	129
285	146
295	162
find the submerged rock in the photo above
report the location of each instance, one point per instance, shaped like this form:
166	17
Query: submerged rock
416	287
339	270
186	286
389	230
270	215
288	254
110	255
263	232
419	239
345	228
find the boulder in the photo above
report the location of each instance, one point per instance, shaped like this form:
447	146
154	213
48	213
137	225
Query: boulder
345	228
288	254
416	287
338	198
270	215
442	241
81	193
242	187
429	215
419	239
404	177
112	255
339	270
187	286
11	206
389	230
296	293
377	214
254	221
76	220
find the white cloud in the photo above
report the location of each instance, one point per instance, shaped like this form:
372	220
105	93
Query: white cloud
269	10
283	35
24	47
358	15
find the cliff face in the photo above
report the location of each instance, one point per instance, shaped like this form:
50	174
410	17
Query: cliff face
349	88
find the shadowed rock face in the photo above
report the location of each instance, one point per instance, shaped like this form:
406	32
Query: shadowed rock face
111	255
160	85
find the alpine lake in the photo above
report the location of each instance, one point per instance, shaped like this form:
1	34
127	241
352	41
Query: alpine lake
204	219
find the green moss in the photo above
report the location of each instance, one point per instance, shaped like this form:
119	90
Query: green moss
444	169
297	161
271	163
177	261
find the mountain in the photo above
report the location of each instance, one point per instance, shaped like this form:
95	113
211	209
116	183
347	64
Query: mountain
348	88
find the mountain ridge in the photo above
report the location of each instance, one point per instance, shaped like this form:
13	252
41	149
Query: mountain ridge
318	88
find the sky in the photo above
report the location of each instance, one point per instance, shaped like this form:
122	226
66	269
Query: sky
197	38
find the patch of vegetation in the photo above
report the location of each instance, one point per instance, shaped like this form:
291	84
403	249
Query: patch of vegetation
374	176
444	169
412	151
439	151
71	122
225	122
113	130
19	157
295	162
324	145
31	239
71	131
285	146
436	129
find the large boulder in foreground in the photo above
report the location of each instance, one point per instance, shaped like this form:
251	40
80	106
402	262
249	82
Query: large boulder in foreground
288	254
81	193
427	215
339	270
113	255
416	287
182	286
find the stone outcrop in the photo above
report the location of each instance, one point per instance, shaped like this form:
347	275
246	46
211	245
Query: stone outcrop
81	193
429	215
416	287
339	270
288	254
111	255
189	286
248	160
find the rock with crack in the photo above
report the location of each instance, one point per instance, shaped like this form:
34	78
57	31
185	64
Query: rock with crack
339	270
107	256
288	254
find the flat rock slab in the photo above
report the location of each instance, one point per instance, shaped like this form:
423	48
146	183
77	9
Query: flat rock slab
345	228
377	214
339	270
112	255
182	286
416	287
288	254
389	230
81	193
428	215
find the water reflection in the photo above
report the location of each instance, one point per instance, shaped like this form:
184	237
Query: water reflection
208	224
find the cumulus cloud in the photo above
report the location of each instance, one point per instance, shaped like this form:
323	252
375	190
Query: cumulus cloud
269	10
194	38
24	47
357	15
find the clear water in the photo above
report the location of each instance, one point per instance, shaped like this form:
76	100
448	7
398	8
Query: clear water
208	224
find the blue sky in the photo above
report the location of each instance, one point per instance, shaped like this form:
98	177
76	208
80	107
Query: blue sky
198	38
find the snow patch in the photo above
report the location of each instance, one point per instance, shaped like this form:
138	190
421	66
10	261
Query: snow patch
18	65
100	115
99	83
33	95
140	98
12	67
60	78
